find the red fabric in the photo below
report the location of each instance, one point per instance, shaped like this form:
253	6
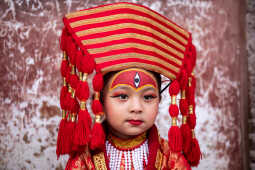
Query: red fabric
153	147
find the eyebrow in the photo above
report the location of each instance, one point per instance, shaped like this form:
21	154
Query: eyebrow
126	87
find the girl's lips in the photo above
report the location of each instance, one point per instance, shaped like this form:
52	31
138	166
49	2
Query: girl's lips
135	122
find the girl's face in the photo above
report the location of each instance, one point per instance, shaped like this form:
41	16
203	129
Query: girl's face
131	100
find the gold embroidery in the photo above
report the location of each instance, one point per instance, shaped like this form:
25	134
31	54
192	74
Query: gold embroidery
129	25
131	6
137	36
127	143
145	66
136	55
128	16
99	161
159	158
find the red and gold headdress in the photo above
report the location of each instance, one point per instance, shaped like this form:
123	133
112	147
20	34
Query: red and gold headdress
115	37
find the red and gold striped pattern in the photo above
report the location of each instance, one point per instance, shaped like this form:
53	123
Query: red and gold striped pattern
124	35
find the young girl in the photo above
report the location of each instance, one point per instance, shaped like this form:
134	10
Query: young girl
127	47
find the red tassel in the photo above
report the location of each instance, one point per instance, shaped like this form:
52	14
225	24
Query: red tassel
193	55
194	155
173	110
63	40
175	139
97	137
68	75
82	132
98	82
79	56
74	81
183	79
63	94
192	121
184	107
97	107
61	138
69	133
186	137
71	50
64	68
74	105
82	91
87	64
174	88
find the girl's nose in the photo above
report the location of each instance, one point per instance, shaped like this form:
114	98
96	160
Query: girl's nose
136	105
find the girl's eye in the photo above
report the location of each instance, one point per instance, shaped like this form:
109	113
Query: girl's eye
149	97
121	96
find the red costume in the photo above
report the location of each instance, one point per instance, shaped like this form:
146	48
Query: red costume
116	37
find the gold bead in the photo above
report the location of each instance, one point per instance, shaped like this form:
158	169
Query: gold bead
173	99
73	93
190	109
69	89
83	105
97	95
174	121
193	134
73	69
84	77
63	114
64	81
80	75
183	96
190	80
73	117
64	55
184	119
99	118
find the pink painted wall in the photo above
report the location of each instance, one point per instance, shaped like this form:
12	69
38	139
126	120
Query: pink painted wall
30	80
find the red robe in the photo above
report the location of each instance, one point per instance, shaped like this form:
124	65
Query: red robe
160	158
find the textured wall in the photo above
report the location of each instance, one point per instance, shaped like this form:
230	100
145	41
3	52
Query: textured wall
30	79
250	17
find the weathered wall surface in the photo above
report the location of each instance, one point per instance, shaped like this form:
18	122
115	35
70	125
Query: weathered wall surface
30	80
250	25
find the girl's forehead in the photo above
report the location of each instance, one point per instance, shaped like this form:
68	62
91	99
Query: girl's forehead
134	78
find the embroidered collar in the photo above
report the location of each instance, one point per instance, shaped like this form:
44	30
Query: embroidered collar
155	157
127	144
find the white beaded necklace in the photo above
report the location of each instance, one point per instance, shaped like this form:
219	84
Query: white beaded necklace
135	157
